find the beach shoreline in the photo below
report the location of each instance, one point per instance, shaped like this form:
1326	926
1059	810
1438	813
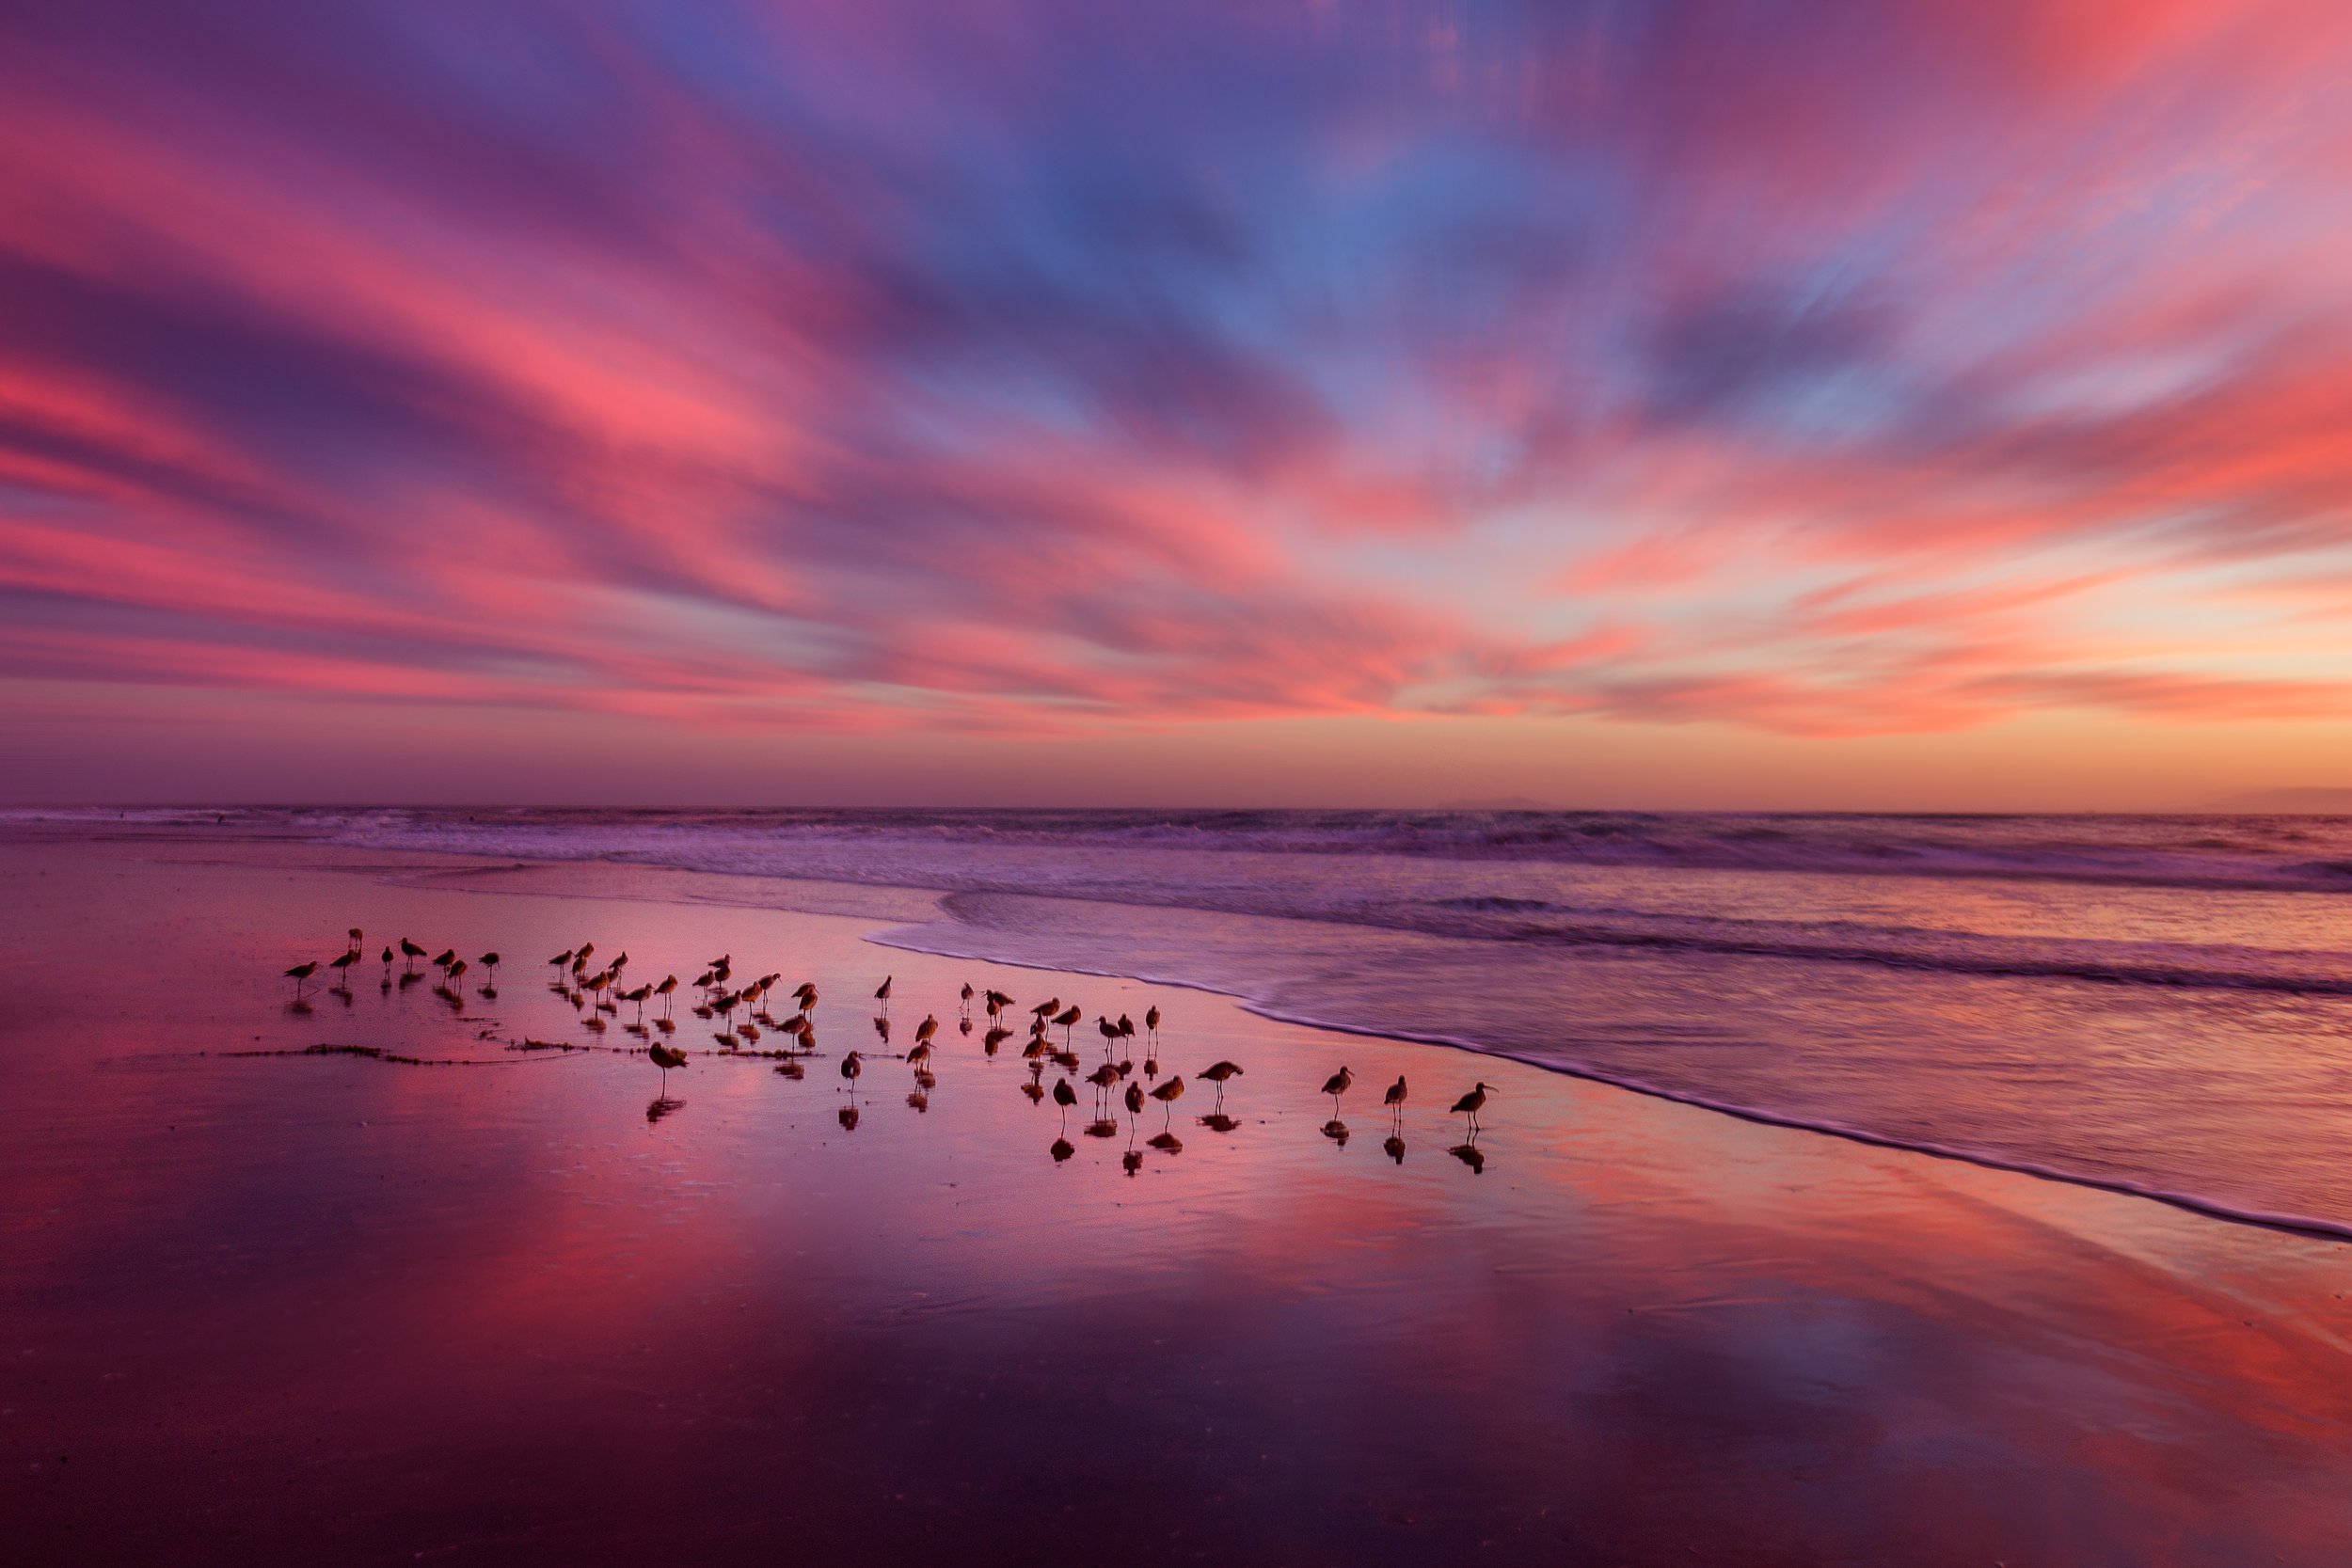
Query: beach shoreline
1816	1350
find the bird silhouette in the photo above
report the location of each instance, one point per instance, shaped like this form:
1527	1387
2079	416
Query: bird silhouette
1336	1086
1472	1103
665	1057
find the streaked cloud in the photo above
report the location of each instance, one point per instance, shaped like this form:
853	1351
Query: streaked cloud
1032	368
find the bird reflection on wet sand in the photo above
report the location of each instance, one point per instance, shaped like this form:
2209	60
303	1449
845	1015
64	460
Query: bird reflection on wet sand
662	1105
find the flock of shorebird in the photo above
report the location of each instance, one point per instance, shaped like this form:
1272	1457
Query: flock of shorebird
600	990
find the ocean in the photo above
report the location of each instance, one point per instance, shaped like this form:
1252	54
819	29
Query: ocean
2159	1005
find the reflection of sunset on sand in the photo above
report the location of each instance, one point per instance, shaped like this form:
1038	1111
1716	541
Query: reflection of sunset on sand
1632	1296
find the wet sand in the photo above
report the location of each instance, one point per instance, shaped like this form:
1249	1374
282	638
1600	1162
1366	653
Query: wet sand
304	1308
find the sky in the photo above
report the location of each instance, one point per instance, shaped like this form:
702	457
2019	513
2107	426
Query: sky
1681	402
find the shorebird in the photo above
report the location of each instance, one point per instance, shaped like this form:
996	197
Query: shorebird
301	973
638	996
665	1058
1152	1024
561	959
921	1054
1046	1009
1472	1103
410	951
445	958
388	966
852	1065
881	993
1067	1017
1218	1072
664	990
579	954
994	1037
1336	1086
1394	1099
490	962
456	971
1110	1030
1065	1096
1167	1094
1135	1103
925	1030
355	934
967	997
342	966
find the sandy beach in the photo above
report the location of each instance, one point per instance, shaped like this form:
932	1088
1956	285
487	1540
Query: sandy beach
266	1307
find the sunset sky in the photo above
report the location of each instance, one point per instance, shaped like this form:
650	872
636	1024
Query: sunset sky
1851	405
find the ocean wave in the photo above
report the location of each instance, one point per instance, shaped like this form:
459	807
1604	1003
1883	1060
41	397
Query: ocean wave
2251	852
971	943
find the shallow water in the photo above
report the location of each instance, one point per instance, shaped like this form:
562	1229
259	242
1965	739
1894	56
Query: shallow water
308	1308
2159	1004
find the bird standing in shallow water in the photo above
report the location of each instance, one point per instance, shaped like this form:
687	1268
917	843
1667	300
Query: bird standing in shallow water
1336	1086
1394	1099
881	993
665	1058
1065	1096
300	973
1216	1072
1472	1103
1152	1024
1167	1094
852	1065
